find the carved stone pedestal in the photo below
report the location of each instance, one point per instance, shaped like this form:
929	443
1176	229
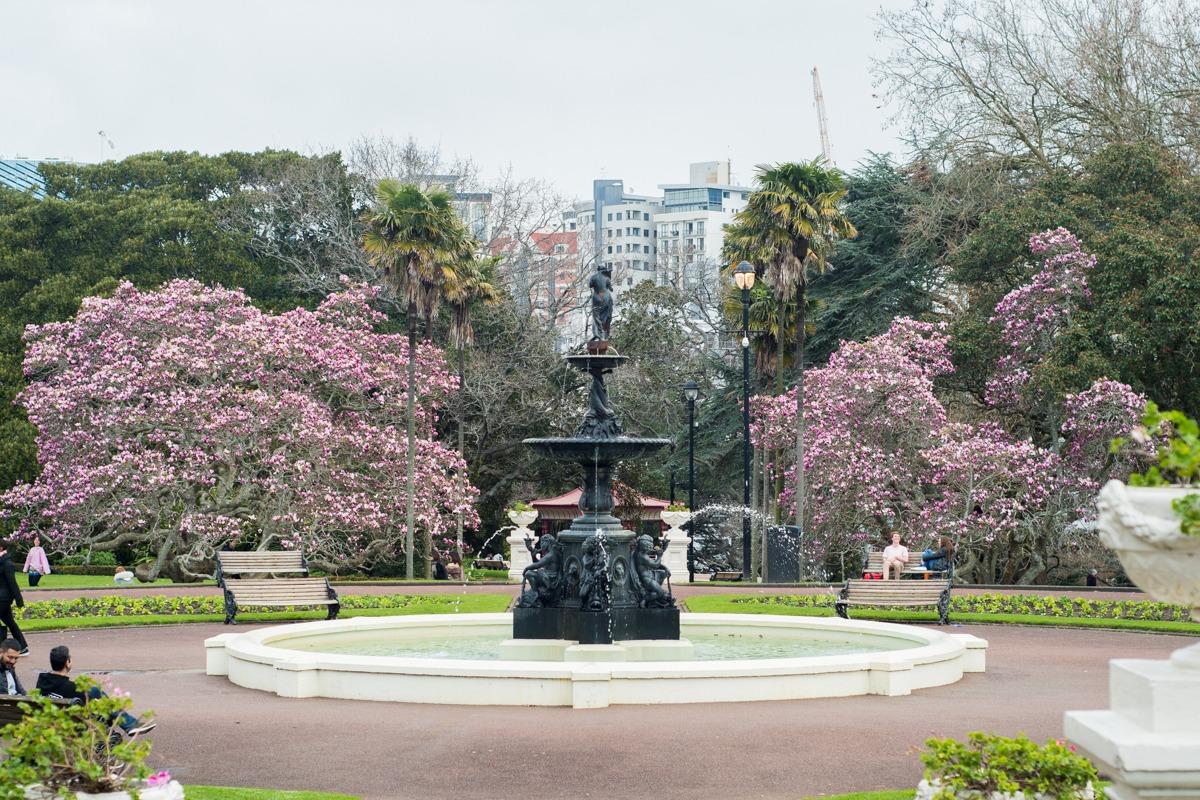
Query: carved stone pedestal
675	556
518	555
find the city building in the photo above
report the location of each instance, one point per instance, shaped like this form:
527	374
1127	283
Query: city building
474	208
23	175
690	227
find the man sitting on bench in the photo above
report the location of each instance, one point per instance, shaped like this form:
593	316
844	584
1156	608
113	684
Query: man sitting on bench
58	683
10	651
895	555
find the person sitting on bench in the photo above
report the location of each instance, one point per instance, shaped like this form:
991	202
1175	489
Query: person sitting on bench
10	684
939	560
58	683
895	556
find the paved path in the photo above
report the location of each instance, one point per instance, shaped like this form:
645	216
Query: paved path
212	732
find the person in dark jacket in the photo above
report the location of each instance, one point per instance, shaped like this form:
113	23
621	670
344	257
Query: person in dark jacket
10	683
58	683
939	560
10	593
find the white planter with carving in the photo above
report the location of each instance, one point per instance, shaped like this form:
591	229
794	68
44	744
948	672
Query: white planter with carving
675	557
1148	741
168	791
518	554
926	790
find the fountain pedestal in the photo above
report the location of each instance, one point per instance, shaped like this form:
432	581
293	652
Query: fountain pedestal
596	582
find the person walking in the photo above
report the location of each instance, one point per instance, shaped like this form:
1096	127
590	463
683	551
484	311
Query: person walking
36	563
10	593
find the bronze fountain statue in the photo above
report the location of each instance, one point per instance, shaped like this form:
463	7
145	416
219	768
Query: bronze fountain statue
596	582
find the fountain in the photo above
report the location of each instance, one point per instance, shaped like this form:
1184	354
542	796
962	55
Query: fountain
595	623
596	581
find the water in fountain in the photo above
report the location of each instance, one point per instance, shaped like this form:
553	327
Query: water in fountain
716	531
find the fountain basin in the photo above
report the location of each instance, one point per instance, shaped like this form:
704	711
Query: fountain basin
273	659
583	450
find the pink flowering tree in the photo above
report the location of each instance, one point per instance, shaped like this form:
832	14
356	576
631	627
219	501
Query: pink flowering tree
182	419
886	456
1034	314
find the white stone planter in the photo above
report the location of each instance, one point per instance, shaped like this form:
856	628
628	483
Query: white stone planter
927	789
675	557
1148	742
1143	529
518	555
169	791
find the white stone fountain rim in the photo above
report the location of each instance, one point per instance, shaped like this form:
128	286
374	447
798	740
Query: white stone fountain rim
253	659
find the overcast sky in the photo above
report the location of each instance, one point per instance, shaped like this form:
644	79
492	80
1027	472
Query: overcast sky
559	89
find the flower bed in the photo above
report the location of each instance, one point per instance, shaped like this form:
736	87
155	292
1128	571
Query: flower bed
124	606
1076	607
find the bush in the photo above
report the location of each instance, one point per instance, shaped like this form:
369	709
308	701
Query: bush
985	764
1078	607
98	558
126	606
71	748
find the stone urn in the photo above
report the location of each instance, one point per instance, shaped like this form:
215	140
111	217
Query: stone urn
1147	741
1140	525
518	555
167	791
675	556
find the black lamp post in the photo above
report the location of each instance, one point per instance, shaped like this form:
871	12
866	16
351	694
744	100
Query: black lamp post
743	276
691	391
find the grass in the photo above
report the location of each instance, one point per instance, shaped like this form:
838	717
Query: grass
725	604
57	581
890	794
227	793
466	604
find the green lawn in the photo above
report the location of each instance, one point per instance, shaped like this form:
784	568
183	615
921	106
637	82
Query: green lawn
461	604
57	581
725	604
891	794
227	793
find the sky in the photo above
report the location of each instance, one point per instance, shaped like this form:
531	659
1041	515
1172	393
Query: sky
557	89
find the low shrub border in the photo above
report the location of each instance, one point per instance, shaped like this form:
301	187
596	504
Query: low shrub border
229	793
822	606
104	610
1077	607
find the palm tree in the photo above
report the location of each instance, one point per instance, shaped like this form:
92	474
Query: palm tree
471	283
417	239
791	222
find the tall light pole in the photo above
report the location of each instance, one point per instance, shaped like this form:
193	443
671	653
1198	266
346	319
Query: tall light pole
691	391
743	276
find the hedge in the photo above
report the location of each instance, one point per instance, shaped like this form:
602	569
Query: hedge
125	606
1078	607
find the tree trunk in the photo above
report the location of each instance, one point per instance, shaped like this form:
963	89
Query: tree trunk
462	453
800	336
410	478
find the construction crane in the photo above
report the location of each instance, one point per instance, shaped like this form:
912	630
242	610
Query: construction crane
822	121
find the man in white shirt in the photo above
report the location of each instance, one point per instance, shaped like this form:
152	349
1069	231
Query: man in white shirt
10	651
894	555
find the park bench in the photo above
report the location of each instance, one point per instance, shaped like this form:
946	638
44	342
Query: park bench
727	576
236	571
873	565
11	711
895	594
488	563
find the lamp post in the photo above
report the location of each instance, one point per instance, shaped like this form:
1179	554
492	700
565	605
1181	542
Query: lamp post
691	391
743	276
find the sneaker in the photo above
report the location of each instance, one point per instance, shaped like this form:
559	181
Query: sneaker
24	651
142	729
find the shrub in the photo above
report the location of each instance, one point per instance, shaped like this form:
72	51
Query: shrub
126	606
985	764
71	748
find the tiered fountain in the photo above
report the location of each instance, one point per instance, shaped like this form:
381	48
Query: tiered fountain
596	582
595	624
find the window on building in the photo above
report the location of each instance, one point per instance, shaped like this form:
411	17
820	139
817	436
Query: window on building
618	216
618	248
572	226
724	194
700	227
689	229
610	217
610	248
701	243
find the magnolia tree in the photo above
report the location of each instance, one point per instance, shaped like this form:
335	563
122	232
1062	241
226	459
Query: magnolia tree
885	456
183	419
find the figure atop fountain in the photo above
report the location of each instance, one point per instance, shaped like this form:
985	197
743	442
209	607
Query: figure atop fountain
543	575
595	578
649	575
602	308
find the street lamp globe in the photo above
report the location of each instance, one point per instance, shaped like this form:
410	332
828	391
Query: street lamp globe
743	275
691	391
